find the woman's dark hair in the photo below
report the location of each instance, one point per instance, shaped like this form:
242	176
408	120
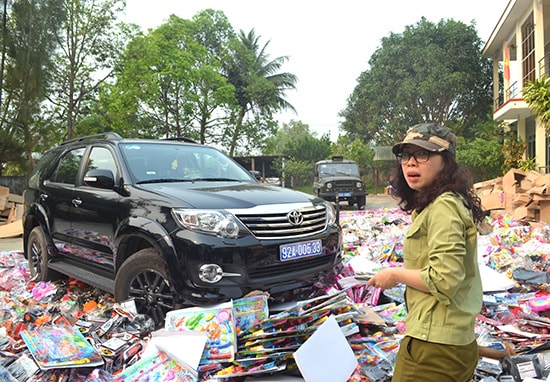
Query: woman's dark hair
453	178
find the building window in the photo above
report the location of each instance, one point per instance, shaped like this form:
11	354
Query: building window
528	50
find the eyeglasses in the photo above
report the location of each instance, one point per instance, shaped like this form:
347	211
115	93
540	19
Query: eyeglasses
419	156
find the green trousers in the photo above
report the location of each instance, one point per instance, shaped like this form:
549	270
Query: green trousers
419	360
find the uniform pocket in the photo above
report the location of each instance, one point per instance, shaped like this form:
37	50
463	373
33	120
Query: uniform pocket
415	243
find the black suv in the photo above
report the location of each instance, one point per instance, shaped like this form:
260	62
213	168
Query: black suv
339	180
171	223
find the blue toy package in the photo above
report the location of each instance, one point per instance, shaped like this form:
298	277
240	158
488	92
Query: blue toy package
60	346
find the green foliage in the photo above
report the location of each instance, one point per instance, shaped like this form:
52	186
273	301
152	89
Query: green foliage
28	42
299	144
356	150
90	42
513	150
259	89
170	81
295	140
307	148
483	158
537	95
429	73
528	164
301	172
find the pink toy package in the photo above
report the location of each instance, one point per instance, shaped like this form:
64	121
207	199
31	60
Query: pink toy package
540	302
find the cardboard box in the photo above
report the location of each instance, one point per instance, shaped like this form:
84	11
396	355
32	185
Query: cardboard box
544	208
511	181
542	181
529	180
508	205
537	196
519	200
493	201
488	186
525	213
4	194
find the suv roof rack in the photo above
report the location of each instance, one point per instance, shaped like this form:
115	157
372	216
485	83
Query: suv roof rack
182	139
107	135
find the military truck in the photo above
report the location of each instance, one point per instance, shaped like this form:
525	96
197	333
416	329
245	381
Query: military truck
338	180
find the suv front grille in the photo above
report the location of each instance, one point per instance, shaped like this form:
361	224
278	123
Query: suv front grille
344	185
279	226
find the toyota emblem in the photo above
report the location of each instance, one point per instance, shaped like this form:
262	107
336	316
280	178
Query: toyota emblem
295	217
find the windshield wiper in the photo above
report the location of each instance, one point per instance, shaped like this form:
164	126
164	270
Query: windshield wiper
164	180
215	180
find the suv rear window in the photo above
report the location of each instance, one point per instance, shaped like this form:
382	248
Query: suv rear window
68	167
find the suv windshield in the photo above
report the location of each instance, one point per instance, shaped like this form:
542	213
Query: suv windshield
332	169
162	162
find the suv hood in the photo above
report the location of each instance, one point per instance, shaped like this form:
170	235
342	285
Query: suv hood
225	195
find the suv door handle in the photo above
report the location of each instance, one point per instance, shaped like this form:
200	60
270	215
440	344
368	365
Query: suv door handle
76	202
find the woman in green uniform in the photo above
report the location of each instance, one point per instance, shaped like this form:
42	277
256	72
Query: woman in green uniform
443	285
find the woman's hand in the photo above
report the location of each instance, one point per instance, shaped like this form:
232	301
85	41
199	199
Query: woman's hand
384	279
389	277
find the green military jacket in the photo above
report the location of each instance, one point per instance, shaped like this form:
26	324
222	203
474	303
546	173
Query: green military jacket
442	243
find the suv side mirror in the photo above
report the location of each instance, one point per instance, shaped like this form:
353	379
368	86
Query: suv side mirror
257	174
100	179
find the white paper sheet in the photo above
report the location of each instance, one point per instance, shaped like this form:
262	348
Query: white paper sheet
326	355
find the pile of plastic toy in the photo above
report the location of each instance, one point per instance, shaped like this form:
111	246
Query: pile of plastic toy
66	330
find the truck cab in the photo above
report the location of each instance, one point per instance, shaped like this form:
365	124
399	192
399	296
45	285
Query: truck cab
338	180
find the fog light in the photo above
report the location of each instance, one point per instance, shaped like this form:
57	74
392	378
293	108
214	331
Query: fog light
210	273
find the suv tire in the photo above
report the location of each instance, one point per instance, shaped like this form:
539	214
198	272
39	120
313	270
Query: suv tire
143	277
37	256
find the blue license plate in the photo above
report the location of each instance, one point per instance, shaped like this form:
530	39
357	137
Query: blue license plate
344	194
299	250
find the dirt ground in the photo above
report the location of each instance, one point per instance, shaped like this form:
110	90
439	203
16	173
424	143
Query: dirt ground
375	202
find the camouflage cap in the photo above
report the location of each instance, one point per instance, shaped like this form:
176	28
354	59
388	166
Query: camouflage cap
429	136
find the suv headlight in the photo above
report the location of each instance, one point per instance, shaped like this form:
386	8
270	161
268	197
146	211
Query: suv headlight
216	222
331	213
359	184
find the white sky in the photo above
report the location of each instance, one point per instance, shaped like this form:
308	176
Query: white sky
328	43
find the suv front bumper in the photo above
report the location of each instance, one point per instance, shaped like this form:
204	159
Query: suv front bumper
252	265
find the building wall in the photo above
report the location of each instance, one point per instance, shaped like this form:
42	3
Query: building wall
518	41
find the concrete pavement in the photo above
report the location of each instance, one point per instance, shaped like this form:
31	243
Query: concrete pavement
11	244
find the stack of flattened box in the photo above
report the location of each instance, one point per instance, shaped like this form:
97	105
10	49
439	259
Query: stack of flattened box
520	194
11	212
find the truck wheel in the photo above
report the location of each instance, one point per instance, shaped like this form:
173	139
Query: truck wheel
37	256
361	202
143	277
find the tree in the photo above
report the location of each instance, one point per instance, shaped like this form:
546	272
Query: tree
429	73
259	88
28	41
171	81
301	146
356	150
276	143
87	51
483	157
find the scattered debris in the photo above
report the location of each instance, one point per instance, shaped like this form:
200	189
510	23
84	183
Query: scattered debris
66	330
